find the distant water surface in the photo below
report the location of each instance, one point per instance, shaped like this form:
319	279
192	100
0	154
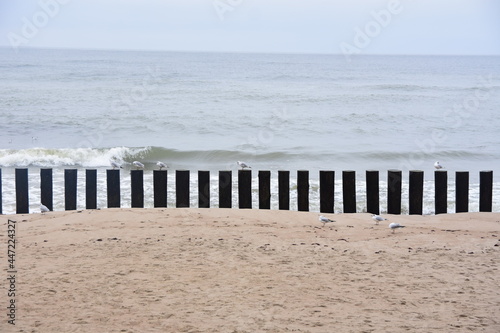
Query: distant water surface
77	108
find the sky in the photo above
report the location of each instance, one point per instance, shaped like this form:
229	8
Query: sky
442	27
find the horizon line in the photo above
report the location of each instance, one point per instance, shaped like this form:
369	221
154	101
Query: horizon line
243	52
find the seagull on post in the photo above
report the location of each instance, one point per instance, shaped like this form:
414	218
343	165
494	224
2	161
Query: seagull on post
243	165
138	165
161	165
437	165
116	165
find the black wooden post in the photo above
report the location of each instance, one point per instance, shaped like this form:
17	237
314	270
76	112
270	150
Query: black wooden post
137	188
203	189
22	198
441	191
416	192
326	191
91	189
283	190
349	191
46	189
182	188
394	192
485	191
70	181
225	189
303	190
245	189
264	189
372	192
113	188
160	179
461	191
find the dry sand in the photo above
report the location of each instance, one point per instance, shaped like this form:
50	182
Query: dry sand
223	270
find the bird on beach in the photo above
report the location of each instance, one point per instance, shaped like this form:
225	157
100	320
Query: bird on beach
377	218
161	165
243	165
395	226
138	165
115	165
44	209
325	220
437	165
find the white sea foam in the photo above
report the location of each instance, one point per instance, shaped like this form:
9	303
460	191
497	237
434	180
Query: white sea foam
80	157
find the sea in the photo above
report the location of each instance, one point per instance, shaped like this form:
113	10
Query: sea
82	109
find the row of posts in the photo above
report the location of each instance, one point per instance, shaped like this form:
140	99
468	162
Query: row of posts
326	190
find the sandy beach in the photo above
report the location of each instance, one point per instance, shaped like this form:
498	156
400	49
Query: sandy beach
230	270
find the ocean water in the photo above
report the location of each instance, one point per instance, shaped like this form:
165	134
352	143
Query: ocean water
204	111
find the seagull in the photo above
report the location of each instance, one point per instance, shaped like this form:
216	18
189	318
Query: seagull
138	165
438	166
378	218
243	165
325	220
394	226
44	209
115	165
161	165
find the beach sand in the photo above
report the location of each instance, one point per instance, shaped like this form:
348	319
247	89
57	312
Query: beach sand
230	270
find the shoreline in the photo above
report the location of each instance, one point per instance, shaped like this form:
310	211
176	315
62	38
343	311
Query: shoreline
226	270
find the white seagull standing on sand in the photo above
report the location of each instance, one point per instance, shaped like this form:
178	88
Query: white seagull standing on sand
115	165
438	166
138	165
161	165
243	165
325	220
395	226
378	218
44	209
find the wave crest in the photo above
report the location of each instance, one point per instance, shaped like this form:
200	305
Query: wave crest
85	157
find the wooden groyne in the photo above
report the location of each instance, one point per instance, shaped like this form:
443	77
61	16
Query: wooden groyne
225	190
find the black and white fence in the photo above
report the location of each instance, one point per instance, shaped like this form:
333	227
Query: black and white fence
225	190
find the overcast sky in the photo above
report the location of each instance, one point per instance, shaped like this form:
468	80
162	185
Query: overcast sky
290	26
